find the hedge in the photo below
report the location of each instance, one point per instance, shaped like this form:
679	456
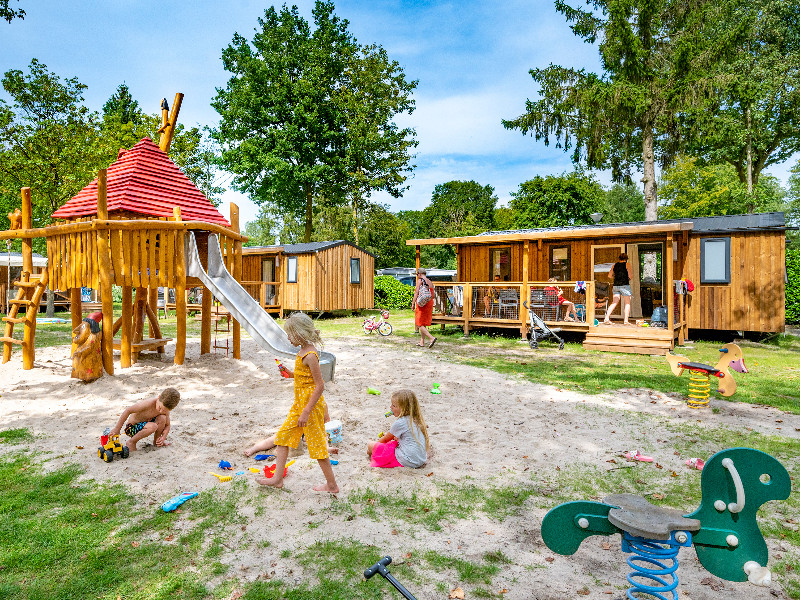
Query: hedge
390	293
793	286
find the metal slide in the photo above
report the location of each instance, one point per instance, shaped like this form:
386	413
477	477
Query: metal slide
263	328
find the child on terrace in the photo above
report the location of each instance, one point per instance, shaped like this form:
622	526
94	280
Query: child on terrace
406	444
307	415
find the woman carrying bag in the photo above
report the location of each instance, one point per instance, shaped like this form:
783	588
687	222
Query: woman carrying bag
423	308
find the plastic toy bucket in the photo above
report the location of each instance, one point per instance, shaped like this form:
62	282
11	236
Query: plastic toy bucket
333	429
103	440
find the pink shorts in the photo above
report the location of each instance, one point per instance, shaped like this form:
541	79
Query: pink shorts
383	455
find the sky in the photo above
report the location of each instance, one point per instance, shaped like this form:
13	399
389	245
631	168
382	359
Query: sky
471	59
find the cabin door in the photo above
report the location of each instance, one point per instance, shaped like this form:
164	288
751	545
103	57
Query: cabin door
647	284
603	259
268	275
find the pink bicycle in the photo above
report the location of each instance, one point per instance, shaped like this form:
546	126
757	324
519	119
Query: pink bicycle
382	325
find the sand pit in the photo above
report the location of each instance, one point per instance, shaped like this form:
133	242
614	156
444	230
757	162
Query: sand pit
486	429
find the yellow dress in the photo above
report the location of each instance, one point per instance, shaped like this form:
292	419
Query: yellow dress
289	434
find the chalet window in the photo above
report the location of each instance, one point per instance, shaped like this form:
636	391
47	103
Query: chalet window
291	269
355	270
715	260
501	264
559	263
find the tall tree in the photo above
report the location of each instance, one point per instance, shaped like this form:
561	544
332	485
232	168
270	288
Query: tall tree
753	120
377	151
281	130
8	13
556	201
121	106
48	140
623	203
689	189
626	117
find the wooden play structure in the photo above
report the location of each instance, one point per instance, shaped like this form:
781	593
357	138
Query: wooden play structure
736	263
312	277
127	228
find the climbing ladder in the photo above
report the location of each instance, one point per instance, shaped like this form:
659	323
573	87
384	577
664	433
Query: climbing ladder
31	287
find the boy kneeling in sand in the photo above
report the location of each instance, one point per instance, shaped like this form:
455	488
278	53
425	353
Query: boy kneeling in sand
148	417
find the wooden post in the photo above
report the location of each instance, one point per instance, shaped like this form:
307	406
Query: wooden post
237	275
466	308
416	258
169	132
668	292
27	223
152	301
104	259
28	345
205	325
523	312
127	321
180	291
590	296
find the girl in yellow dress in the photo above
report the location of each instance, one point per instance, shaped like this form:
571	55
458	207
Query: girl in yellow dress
307	415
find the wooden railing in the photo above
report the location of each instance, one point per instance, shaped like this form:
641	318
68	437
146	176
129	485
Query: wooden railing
267	293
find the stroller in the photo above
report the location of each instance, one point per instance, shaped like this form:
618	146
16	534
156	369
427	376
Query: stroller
540	330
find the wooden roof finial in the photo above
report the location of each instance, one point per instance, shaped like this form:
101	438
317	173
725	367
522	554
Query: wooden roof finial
168	128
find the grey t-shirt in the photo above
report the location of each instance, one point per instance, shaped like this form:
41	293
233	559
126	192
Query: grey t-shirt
410	451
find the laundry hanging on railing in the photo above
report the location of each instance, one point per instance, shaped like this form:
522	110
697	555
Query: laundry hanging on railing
580	287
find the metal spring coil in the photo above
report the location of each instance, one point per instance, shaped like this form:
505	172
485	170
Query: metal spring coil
654	564
699	389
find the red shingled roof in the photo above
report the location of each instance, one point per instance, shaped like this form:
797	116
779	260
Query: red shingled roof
144	180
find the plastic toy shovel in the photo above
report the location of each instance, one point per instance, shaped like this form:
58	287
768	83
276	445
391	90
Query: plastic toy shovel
176	501
436	389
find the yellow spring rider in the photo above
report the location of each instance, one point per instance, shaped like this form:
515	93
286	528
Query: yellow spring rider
700	374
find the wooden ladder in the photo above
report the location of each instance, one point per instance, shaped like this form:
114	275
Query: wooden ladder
31	287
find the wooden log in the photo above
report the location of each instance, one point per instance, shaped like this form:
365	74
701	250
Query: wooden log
169	132
155	330
152	302
104	256
75	312
125	359
205	324
27	223
180	292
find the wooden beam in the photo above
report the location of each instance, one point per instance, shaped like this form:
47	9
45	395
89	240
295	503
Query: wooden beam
237	275
169	131
75	312
104	258
180	292
27	223
125	357
668	294
205	323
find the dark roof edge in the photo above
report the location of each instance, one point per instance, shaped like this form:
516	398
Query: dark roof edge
311	248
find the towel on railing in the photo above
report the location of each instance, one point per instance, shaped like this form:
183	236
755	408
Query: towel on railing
580	287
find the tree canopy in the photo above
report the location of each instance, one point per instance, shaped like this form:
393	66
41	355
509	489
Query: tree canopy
8	13
625	117
556	201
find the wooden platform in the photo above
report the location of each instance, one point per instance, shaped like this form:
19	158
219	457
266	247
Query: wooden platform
628	339
145	344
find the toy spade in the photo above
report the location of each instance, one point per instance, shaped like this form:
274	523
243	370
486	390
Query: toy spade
723	530
220	477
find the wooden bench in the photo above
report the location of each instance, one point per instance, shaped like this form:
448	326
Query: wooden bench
145	344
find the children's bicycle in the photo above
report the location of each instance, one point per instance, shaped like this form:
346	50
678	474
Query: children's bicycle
382	325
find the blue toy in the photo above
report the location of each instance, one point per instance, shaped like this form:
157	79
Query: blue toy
175	502
263	456
225	465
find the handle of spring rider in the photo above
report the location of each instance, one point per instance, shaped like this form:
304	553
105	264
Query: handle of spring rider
378	567
738	506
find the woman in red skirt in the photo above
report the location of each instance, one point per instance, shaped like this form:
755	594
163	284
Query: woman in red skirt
423	314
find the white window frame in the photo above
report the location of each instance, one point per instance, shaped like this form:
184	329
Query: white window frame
291	269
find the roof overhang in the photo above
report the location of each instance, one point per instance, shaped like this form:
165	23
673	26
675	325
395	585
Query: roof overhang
560	234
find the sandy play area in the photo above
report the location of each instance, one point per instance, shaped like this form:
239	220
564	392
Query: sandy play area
487	429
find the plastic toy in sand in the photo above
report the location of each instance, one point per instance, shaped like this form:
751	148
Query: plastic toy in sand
263	456
176	501
723	530
373	391
269	470
388	413
436	389
333	431
225	465
220	477
700	374
113	448
636	455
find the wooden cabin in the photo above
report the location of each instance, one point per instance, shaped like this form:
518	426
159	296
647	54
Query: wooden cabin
10	270
736	264
312	277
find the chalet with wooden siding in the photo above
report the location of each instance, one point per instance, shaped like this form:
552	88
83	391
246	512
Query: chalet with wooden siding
312	277
736	264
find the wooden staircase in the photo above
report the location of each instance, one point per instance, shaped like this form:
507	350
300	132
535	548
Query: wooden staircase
628	339
31	287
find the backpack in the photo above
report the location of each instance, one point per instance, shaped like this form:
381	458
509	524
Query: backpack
424	295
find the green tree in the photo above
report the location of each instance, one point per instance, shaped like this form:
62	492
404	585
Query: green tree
650	54
793	209
556	201
49	141
623	203
377	151
753	119
121	106
261	231
692	190
8	13
281	130
504	218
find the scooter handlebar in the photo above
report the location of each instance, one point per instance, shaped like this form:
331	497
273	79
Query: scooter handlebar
378	567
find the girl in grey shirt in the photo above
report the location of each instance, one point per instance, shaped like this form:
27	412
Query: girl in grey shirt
406	444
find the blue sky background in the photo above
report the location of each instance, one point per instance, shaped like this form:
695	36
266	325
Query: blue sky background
471	59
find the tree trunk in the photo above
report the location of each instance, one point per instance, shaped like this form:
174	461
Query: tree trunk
355	219
309	213
649	178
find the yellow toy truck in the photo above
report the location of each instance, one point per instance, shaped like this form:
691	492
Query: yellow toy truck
111	448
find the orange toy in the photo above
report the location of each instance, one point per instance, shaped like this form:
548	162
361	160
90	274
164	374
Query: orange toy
269	471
